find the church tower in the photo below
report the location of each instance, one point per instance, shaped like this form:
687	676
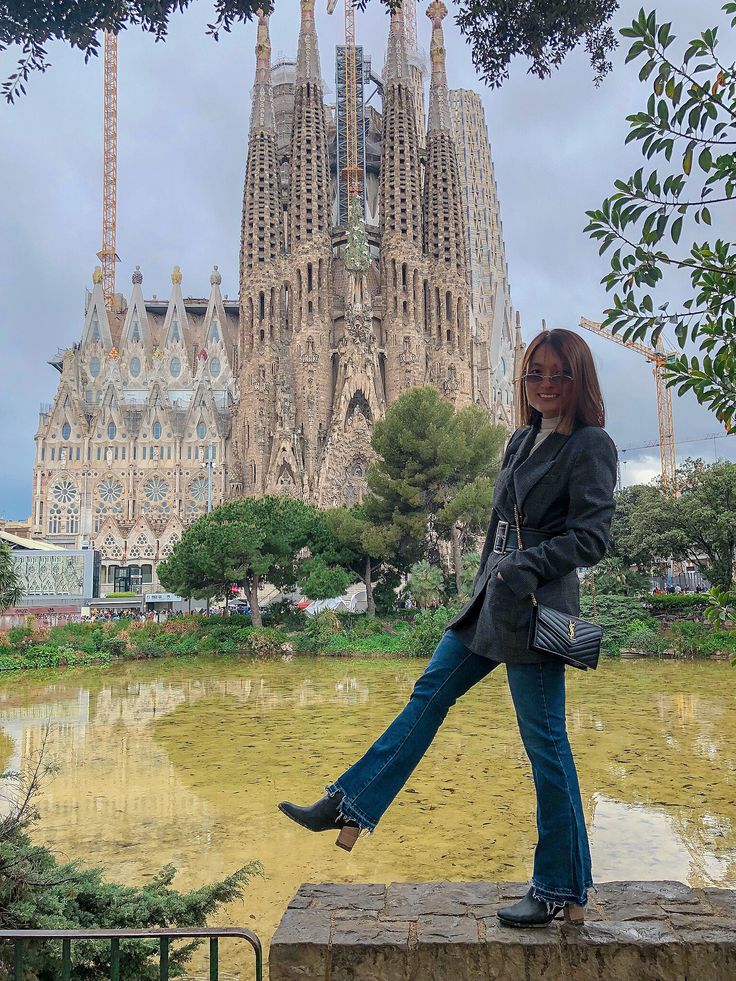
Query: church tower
310	250
403	279
445	236
262	295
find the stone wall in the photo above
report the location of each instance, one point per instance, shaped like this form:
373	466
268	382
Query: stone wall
634	931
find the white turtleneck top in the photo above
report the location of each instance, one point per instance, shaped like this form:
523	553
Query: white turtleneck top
546	427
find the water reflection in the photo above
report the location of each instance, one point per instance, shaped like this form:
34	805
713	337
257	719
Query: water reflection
184	762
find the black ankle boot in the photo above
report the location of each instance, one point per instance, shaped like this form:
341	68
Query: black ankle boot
322	816
529	912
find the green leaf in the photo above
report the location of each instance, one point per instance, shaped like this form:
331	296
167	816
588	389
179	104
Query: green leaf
676	229
687	162
705	160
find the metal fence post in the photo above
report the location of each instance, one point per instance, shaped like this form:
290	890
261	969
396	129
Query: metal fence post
114	959
66	960
164	961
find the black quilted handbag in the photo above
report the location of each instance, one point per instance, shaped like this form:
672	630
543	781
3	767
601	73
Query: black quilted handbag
564	636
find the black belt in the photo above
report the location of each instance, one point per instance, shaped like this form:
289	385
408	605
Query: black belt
506	537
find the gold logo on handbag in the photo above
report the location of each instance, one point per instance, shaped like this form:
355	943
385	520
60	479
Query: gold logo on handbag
571	629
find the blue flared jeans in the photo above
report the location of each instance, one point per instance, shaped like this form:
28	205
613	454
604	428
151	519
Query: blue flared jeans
562	867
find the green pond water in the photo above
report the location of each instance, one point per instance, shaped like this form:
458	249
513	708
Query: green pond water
184	762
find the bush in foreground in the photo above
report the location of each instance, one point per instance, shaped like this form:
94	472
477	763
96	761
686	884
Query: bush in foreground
39	892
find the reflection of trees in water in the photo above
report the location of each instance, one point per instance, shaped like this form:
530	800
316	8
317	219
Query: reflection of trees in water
656	735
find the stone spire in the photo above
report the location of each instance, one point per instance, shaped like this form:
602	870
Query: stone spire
401	204
439	101
307	57
397	59
403	272
262	232
309	263
445	239
261	116
445	230
309	192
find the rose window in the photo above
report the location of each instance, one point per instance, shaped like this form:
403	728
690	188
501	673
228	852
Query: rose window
156	489
110	490
198	489
65	492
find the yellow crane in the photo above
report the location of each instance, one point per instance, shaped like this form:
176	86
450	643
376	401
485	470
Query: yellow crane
658	358
107	254
351	172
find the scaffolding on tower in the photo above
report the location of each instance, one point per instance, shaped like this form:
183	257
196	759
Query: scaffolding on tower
107	254
350	116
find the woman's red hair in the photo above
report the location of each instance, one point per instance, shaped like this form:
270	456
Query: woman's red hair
583	399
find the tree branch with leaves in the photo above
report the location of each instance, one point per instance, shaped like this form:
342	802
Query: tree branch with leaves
689	122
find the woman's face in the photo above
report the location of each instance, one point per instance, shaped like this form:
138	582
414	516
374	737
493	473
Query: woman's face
546	395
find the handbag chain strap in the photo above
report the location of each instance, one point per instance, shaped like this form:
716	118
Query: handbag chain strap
521	546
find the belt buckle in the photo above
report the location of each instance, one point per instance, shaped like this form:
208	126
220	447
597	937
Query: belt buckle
502	533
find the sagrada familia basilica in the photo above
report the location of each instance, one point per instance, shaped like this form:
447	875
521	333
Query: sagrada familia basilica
346	302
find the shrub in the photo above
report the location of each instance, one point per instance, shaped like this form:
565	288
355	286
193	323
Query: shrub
426	631
614	613
20	637
287	614
641	636
360	625
39	892
266	642
675	602
691	639
115	646
149	647
322	627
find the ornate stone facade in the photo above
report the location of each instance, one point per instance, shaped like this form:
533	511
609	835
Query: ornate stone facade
494	325
332	325
144	397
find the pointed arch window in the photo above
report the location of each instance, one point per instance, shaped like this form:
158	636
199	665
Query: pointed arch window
214	333
66	431
95	327
135	334
175	335
112	430
156	431
201	430
94	367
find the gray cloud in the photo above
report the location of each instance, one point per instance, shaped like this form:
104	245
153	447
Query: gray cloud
183	117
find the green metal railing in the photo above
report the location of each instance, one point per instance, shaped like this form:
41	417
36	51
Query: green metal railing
164	937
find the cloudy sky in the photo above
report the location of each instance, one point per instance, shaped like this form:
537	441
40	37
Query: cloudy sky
183	120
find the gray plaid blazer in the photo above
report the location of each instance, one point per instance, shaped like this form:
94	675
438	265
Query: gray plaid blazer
565	488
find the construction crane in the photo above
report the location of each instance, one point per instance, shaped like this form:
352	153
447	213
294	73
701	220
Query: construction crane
352	173
679	442
107	254
658	358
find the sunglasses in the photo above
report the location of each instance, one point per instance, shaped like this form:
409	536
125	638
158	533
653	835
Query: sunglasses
536	378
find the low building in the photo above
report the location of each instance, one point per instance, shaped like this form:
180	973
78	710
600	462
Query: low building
58	583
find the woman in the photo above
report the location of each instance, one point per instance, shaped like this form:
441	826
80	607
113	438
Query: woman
560	472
